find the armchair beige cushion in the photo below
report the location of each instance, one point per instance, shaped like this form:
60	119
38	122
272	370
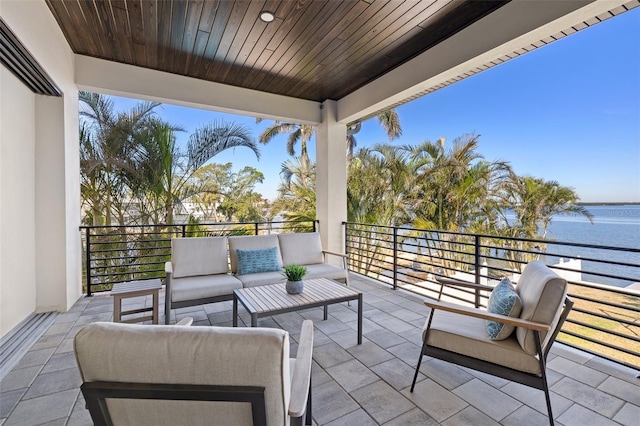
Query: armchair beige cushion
468	335
542	293
114	352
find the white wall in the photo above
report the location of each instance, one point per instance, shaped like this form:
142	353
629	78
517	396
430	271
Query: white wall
49	274
17	201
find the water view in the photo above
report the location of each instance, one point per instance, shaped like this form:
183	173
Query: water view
613	225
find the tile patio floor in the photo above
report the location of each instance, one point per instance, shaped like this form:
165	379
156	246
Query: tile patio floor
352	385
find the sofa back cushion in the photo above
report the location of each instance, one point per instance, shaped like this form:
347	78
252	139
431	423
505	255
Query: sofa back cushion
542	292
187	355
251	242
303	248
192	257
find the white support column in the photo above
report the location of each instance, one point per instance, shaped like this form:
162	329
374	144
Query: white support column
57	202
331	178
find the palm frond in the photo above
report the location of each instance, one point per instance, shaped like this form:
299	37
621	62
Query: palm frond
390	122
216	137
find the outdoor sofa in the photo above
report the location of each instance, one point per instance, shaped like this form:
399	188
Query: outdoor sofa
208	269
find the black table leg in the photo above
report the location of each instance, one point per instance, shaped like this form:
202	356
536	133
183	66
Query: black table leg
235	311
360	319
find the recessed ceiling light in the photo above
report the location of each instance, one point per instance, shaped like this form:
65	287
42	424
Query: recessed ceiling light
267	16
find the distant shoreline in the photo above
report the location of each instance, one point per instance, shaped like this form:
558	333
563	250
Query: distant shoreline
610	203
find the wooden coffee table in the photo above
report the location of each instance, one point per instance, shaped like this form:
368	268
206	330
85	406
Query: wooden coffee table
267	300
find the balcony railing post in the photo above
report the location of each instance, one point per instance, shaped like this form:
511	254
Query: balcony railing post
255	228
314	225
184	230
477	267
395	257
346	238
88	259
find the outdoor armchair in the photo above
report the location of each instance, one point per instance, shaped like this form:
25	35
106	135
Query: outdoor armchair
168	375
459	334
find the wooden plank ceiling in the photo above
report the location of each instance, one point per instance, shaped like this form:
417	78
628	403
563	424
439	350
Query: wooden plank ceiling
314	49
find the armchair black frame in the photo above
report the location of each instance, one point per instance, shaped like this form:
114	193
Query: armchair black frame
538	381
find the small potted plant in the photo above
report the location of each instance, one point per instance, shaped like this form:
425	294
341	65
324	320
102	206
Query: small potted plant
294	274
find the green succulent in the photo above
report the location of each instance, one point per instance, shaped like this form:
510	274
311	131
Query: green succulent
294	272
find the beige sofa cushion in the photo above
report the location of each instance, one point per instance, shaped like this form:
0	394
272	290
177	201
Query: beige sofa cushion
203	286
304	248
251	242
468	336
324	270
199	256
187	355
542	292
262	278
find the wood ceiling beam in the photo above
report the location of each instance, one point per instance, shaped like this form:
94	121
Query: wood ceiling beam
112	78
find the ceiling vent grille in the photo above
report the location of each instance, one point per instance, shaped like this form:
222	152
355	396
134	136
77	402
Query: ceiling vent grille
19	61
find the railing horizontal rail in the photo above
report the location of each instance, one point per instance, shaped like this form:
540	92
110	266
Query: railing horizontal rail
149	271
611	304
138	256
607	288
116	250
162	262
602	343
604	330
606	317
412	259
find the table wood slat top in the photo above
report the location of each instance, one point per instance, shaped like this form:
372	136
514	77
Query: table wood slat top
133	286
274	297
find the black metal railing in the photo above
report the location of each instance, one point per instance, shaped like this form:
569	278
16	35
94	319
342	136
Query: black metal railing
114	254
605	319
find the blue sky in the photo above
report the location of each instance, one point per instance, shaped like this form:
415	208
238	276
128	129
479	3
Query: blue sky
569	112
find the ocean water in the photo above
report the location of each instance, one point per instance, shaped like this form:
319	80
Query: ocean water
615	226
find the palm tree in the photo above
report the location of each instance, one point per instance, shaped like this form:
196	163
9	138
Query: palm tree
535	201
380	191
134	154
165	175
297	133
454	189
297	191
106	150
390	122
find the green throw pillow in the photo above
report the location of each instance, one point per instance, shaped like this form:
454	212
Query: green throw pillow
504	301
258	260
